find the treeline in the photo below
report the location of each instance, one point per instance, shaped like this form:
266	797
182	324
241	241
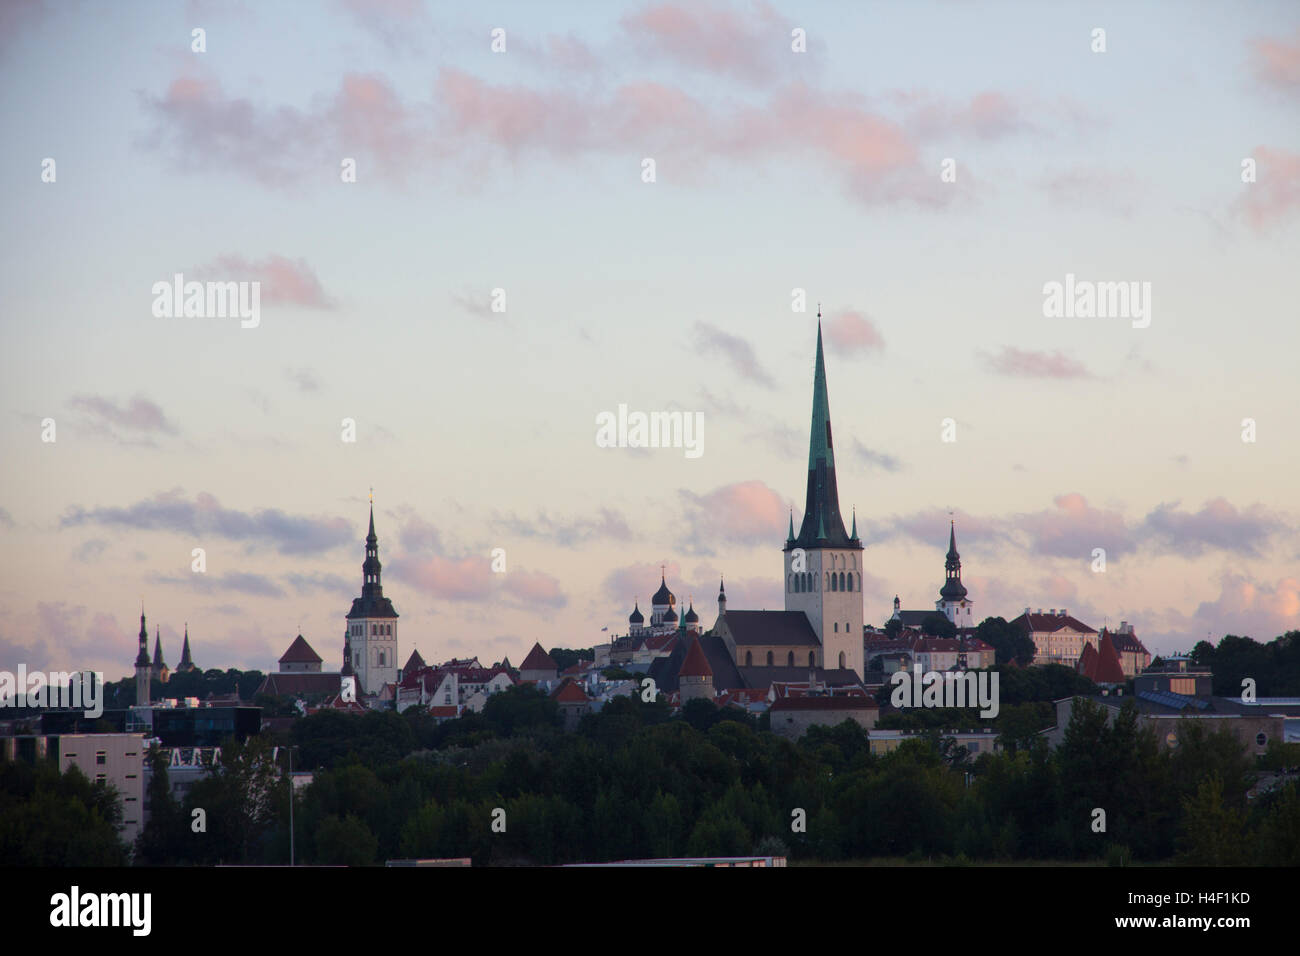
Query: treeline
632	782
49	818
1275	666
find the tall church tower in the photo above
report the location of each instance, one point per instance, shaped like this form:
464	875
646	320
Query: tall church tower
372	623
953	603
143	669
823	563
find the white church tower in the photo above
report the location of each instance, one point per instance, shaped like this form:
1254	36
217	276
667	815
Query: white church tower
372	624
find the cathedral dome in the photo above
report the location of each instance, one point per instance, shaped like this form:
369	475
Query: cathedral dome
671	615
691	617
636	617
663	595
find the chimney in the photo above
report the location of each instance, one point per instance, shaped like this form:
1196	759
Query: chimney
1062	612
1040	610
1026	610
1053	612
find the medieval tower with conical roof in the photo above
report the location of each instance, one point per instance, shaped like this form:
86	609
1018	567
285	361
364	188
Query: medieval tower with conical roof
372	624
823	562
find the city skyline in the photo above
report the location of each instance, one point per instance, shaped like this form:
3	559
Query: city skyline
777	174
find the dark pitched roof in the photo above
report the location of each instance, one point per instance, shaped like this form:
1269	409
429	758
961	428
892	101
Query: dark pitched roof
370	605
1127	642
414	663
726	676
301	684
914	618
789	628
538	660
1051	622
300	652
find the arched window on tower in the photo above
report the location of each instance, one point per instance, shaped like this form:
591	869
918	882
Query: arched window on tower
769	658
841	660
850	580
789	659
826	585
749	658
812	659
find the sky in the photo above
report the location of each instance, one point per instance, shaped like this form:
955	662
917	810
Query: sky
639	204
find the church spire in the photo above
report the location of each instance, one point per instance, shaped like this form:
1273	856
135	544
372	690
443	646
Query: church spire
371	568
953	589
822	521
187	662
142	659
157	649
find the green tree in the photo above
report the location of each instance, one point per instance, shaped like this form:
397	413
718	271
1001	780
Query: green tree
346	842
1213	833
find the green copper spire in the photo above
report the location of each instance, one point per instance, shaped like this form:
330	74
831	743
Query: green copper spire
819	444
854	533
791	535
823	525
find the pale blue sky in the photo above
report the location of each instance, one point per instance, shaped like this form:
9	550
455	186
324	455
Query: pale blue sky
522	171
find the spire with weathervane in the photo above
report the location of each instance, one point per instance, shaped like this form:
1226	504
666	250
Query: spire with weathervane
823	525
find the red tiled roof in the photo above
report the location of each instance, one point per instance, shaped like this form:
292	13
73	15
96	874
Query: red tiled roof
695	664
1109	669
300	652
537	660
443	711
570	693
1088	661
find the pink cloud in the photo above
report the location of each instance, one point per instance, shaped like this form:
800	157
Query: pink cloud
851	331
532	588
1277	63
1021	363
1274	197
139	414
463	579
1075	528
284	281
745	513
1250	608
751	45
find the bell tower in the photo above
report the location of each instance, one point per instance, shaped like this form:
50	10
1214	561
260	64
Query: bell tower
371	635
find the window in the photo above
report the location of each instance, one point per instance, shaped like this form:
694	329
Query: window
841	660
769	658
812	659
101	757
789	662
389	630
1261	738
374	630
837	627
833	583
749	658
850	579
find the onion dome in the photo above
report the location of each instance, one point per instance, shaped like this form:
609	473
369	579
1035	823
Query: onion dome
636	617
671	615
691	617
663	595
